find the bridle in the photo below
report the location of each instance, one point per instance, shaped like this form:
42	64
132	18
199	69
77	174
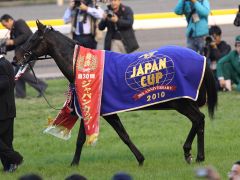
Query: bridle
29	55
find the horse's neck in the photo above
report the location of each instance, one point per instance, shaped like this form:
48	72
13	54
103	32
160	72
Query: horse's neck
62	53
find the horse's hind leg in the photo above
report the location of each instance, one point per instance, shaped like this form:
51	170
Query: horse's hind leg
115	122
79	144
200	139
191	110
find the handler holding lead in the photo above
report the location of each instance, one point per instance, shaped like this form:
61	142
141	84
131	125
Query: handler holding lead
10	159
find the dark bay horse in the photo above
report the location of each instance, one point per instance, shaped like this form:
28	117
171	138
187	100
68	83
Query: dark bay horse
47	41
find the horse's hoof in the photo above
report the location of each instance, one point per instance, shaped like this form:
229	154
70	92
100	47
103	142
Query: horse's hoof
74	164
140	163
200	159
188	159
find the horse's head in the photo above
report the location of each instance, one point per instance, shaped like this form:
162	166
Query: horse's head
34	47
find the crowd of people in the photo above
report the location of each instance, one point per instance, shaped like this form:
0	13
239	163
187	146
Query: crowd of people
87	19
224	63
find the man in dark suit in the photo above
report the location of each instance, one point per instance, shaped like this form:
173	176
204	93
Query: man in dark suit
120	36
10	158
19	33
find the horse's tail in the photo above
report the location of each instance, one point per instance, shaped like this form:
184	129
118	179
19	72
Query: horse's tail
211	88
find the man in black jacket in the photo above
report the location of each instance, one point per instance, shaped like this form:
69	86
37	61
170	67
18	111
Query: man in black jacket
120	36
10	158
215	48
19	33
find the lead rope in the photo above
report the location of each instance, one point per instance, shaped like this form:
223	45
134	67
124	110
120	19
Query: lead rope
57	109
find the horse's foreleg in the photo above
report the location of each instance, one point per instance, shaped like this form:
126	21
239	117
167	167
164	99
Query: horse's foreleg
79	144
115	122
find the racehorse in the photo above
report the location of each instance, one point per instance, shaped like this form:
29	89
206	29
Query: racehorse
47	41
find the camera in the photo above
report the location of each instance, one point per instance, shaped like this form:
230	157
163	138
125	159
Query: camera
77	3
208	40
207	48
109	13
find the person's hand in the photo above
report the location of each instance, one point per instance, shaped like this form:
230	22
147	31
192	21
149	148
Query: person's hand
114	19
213	174
213	45
193	1
222	83
9	42
83	7
14	63
104	16
213	65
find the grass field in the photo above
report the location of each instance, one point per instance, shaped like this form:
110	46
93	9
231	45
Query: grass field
158	134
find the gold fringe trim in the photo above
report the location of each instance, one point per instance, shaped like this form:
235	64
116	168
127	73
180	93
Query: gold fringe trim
92	139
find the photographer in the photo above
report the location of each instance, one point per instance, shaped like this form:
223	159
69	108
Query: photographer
120	36
83	15
215	48
196	13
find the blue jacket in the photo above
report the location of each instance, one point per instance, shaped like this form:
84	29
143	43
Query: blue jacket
202	7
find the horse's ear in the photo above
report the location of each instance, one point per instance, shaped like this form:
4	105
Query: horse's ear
40	26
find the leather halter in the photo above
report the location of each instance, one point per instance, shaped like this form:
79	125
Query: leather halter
29	55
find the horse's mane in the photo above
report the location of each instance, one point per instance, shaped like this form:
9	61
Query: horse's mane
64	37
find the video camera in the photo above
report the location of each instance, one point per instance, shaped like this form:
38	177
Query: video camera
3	48
77	3
109	13
207	48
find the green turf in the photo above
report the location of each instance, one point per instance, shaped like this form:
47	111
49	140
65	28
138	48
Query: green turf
158	134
